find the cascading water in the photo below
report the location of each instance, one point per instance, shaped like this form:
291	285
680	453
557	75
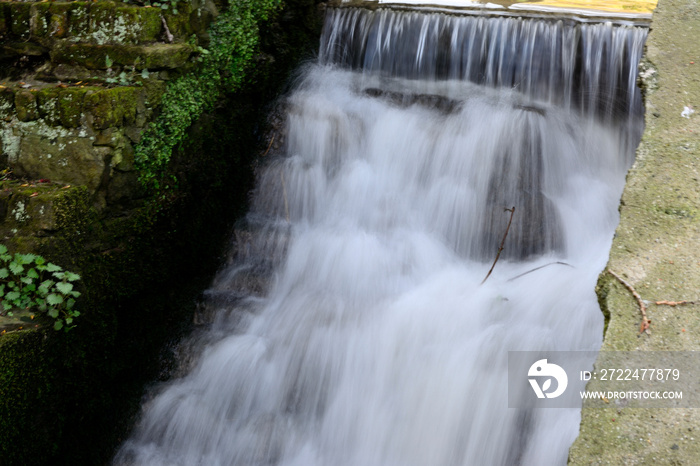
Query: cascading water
373	342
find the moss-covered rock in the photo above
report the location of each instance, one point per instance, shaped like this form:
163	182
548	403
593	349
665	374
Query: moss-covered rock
25	105
114	107
20	15
101	57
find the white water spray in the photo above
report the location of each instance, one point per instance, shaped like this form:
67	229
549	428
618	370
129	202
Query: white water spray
374	343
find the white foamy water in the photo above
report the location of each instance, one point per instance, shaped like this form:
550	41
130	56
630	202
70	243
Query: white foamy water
374	342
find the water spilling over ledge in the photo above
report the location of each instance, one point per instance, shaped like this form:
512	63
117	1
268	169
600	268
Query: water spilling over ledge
372	342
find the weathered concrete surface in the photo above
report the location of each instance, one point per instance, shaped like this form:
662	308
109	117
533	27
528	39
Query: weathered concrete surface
657	250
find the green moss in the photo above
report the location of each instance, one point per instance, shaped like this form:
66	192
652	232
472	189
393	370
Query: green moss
70	106
73	211
3	21
234	37
40	18
157	56
25	104
113	107
79	19
147	19
7	102
47	100
20	14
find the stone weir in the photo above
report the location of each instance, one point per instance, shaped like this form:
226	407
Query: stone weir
560	61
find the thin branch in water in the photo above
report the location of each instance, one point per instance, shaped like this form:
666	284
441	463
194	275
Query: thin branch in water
540	267
269	145
644	326
503	242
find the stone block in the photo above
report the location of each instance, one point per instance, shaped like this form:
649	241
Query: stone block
70	106
67	158
113	107
7	102
20	16
25	105
47	102
156	56
39	19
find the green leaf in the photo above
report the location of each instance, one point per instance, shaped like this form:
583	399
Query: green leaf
69	305
16	268
58	325
50	267
75	294
54	299
25	258
64	287
5	257
31	273
7	305
27	280
4	273
59	275
71	277
48	283
69	320
53	312
3	249
40	260
31	288
12	295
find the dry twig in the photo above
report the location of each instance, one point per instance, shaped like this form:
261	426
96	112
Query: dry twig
538	268
503	242
269	145
673	303
644	326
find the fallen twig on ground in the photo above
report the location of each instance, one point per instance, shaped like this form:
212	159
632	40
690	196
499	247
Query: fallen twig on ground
503	242
673	303
644	326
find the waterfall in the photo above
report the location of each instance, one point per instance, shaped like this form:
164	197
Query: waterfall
350	327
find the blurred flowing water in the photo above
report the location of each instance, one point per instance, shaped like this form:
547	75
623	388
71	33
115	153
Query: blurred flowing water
351	327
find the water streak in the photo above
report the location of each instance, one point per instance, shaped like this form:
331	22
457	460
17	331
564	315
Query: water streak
372	342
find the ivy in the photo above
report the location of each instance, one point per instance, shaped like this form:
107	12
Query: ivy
223	67
28	281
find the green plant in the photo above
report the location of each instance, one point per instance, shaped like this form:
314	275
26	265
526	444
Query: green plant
223	68
28	281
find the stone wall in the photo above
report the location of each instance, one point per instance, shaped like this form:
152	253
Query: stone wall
80	82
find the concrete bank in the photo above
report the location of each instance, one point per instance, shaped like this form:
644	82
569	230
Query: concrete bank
656	250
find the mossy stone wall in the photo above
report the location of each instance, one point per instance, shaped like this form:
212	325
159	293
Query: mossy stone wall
69	398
